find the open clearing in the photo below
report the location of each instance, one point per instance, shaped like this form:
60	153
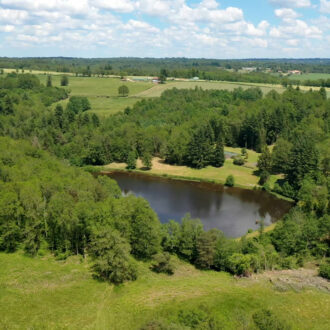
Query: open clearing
35	294
244	175
102	92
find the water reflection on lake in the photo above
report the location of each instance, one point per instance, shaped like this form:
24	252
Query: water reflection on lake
232	210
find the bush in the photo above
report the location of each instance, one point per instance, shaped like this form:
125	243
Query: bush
324	270
266	320
162	263
240	264
238	160
230	181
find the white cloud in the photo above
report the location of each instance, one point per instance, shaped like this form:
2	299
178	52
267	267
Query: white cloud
291	3
325	7
13	16
286	13
7	28
123	6
295	28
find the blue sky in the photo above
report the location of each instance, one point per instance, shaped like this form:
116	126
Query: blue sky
165	28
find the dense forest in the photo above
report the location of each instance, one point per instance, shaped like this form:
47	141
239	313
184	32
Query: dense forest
48	203
208	69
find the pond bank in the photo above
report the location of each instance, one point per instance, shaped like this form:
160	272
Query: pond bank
233	210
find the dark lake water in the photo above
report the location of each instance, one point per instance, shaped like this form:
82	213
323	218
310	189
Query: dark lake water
232	210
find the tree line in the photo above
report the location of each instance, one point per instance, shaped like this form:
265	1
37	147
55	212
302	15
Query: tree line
48	205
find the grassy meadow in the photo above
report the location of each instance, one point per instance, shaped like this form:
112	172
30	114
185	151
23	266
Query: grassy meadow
157	90
102	92
35	293
244	175
310	76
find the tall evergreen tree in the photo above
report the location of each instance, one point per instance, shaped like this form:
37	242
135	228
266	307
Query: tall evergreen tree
49	81
218	157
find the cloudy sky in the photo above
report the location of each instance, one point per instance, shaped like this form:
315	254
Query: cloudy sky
165	28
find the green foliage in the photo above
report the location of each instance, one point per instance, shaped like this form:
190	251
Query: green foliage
265	161
280	156
206	248
230	181
78	104
123	90
161	263
238	160
112	261
266	320
131	160
304	160
218	157
147	160
324	270
64	80
49	81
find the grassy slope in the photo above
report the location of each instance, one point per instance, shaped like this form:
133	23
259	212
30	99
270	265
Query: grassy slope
102	92
45	294
244	175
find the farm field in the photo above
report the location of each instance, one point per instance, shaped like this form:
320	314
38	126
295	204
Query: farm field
244	175
35	294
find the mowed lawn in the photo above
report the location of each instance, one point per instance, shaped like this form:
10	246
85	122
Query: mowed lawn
244	175
41	293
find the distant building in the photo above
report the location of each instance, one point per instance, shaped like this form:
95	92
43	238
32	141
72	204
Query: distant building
294	72
155	80
195	78
250	69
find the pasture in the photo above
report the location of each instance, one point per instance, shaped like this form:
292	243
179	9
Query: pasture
35	294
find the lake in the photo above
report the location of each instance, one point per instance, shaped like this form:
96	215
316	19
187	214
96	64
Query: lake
232	210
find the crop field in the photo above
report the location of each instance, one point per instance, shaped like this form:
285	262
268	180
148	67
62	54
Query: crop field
41	293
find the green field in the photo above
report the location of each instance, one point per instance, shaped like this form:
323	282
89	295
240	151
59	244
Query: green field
158	89
310	76
41	293
102	92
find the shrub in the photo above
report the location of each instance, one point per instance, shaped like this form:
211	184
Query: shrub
240	264
324	270
266	320
230	181
162	263
238	160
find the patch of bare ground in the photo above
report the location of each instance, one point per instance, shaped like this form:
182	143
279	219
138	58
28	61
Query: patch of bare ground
294	279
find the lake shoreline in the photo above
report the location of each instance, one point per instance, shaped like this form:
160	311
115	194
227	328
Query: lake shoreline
207	183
